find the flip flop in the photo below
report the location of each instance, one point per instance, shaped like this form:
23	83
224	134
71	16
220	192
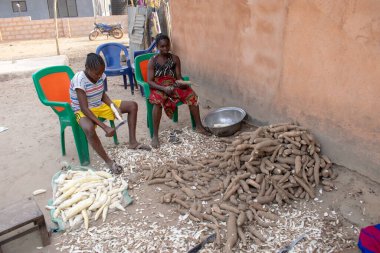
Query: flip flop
142	146
116	168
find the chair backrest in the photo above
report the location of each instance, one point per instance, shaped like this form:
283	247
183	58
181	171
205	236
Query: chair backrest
141	66
111	52
152	46
52	85
145	51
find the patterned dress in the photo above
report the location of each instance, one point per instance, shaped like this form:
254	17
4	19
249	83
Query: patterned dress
164	75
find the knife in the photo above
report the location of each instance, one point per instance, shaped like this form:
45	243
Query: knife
120	124
289	247
199	246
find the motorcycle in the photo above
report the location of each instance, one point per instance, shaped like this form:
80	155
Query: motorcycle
108	30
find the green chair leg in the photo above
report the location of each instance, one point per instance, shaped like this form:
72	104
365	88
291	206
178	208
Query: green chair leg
63	148
149	111
193	125
175	115
82	145
115	140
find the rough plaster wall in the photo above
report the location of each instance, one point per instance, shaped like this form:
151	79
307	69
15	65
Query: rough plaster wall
331	77
314	61
232	48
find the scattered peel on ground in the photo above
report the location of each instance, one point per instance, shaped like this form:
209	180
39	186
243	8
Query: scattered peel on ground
323	234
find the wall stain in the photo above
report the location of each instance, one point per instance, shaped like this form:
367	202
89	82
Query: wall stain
264	26
370	32
266	61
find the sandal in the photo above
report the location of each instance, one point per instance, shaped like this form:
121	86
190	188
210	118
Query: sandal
116	168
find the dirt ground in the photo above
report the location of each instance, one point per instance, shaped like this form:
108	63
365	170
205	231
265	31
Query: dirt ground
30	155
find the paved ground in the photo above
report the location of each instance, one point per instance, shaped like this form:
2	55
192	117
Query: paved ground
24	68
30	148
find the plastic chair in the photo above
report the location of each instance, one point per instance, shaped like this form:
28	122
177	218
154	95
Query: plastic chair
52	85
140	52
111	52
148	50
141	68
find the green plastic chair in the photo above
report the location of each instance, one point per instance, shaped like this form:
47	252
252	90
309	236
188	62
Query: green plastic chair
141	75
52	85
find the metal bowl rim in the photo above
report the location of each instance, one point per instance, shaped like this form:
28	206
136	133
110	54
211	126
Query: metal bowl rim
226	108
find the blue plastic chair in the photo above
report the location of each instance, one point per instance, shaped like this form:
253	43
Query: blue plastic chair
140	52
148	50
111	52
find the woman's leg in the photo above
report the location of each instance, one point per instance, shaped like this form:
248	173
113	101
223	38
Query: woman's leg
194	110
157	113
189	97
89	130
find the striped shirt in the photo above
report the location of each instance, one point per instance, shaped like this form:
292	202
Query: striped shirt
94	92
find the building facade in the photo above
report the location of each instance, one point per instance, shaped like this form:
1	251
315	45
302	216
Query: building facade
44	9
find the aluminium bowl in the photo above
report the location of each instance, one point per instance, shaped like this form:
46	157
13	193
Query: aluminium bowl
224	121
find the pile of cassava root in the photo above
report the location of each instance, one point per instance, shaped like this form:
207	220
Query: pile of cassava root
230	188
80	194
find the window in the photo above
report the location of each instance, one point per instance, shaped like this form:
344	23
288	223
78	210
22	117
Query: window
65	8
19	6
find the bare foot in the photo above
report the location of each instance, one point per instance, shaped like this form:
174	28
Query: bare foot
203	131
139	146
155	142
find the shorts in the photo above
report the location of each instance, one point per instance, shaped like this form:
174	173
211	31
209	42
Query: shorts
102	111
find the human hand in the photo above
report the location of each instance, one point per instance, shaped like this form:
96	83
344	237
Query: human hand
109	131
181	86
169	90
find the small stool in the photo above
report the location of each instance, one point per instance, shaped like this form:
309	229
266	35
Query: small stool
20	214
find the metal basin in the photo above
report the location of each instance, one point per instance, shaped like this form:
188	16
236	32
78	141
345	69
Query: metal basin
224	121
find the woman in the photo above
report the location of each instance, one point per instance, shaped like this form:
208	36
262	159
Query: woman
164	69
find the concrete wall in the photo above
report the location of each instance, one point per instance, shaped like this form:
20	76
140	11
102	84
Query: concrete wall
37	9
313	61
85	8
23	28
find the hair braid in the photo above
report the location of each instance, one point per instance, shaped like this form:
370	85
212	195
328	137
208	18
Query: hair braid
94	61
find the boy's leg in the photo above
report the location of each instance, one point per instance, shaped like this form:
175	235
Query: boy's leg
89	129
131	108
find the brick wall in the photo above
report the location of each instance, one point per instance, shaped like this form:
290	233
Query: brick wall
23	28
